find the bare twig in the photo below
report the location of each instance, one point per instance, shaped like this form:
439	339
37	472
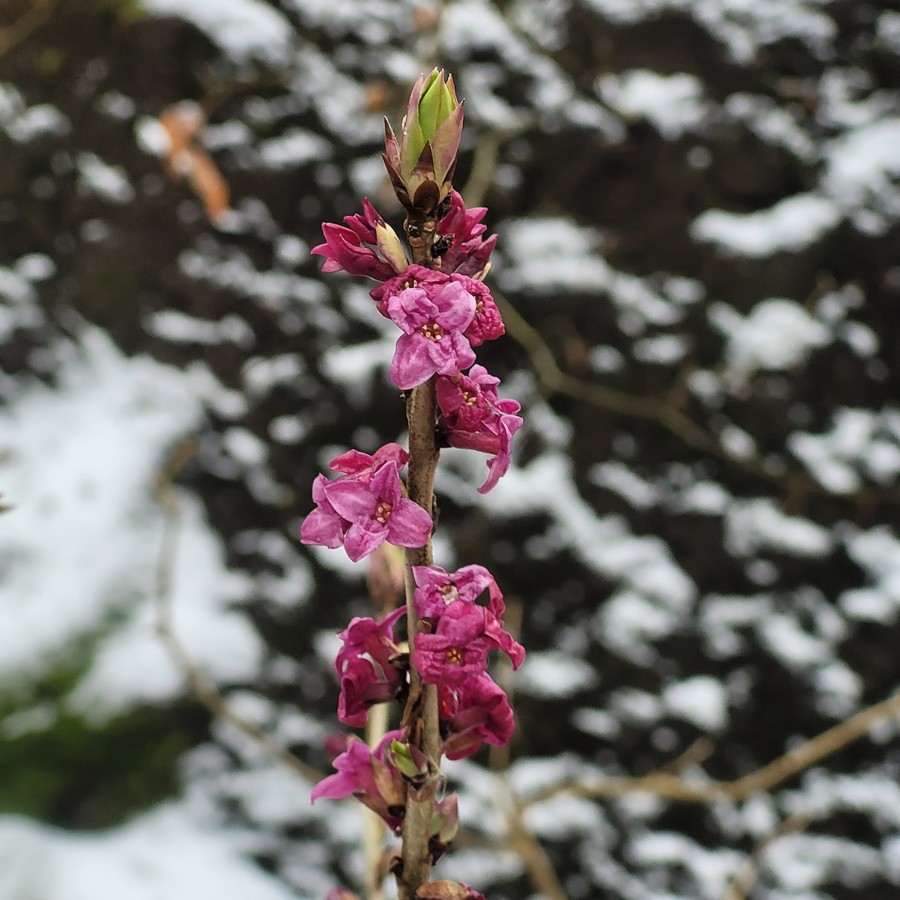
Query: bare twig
373	824
35	15
534	858
553	380
770	776
748	873
201	686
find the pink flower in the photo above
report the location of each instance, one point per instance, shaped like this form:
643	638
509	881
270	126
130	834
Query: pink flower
473	712
363	466
487	324
468	251
324	525
432	342
346	247
377	512
474	418
364	667
368	777
436	589
464	635
413	276
458	648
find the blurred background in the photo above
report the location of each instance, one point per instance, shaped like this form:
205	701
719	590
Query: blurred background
699	211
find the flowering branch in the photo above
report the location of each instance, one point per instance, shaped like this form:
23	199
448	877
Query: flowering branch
437	298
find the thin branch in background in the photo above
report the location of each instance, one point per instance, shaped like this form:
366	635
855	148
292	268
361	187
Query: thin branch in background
37	12
765	779
203	689
534	858
748	874
553	380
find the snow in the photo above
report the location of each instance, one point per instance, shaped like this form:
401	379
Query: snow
244	29
862	171
554	254
790	225
777	334
758	524
743	25
81	460
554	674
701	700
672	103
103	180
168	852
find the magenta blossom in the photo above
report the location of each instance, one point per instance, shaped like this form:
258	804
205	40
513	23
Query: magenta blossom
378	512
363	465
487	324
369	777
458	648
365	246
436	589
364	667
324	525
432	342
414	276
474	418
474	712
469	252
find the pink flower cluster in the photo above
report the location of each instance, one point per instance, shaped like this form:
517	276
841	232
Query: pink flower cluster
450	651
443	315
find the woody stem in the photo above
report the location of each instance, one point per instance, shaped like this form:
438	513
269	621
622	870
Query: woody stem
421	714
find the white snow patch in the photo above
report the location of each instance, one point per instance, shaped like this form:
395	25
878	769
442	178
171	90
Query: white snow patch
860	441
701	700
801	862
617	477
163	853
673	103
862	173
83	542
643	564
754	525
795	647
244	29
553	254
878	552
629	623
293	148
741	25
181	328
103	180
777	334
712	869
790	225
554	674
565	817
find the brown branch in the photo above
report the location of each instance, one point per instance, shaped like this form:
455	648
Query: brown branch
37	13
553	380
421	712
202	687
534	858
745	877
673	787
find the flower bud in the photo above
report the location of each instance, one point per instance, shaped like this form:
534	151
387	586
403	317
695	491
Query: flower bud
445	820
408	760
421	162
